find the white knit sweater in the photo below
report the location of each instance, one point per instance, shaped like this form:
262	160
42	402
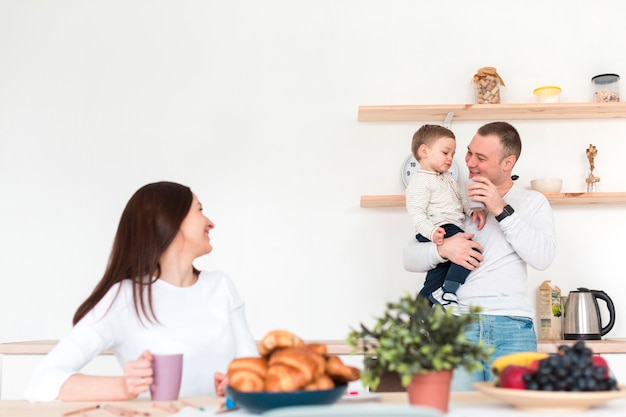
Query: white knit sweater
499	284
206	322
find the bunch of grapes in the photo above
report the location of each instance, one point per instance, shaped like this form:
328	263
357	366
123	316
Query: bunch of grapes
571	369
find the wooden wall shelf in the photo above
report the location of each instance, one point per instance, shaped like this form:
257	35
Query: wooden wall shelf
515	111
375	201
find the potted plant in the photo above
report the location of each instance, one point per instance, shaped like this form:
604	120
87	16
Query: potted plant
416	339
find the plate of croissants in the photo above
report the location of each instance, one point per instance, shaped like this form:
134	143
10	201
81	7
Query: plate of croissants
288	372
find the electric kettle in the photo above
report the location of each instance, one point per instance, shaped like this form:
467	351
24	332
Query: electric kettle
581	315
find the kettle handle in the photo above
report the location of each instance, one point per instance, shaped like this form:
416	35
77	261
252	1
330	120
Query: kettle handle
609	304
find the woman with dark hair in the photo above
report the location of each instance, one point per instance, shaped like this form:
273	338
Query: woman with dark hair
151	299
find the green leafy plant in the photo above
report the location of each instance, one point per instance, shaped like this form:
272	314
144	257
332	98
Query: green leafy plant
414	337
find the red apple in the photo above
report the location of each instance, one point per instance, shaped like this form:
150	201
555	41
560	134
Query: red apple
512	376
600	361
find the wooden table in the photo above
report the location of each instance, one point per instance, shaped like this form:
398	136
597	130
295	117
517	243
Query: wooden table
462	404
21	408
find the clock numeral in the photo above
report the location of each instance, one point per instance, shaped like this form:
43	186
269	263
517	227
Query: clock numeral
413	164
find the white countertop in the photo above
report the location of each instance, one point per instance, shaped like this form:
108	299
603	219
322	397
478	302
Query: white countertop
336	347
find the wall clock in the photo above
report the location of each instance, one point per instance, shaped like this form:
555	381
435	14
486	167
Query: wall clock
411	165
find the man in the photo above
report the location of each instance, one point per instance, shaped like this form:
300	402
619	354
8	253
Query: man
519	231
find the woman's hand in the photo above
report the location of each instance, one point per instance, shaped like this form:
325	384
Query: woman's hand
221	381
136	380
461	250
138	375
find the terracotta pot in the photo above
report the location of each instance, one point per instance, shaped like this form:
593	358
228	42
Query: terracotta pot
431	389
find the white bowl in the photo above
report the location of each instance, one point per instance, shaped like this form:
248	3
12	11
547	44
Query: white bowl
547	185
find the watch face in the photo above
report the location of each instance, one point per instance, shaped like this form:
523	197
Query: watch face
411	165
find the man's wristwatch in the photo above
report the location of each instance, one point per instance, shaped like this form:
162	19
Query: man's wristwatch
506	212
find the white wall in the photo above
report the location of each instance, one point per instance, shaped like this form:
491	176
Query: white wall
254	104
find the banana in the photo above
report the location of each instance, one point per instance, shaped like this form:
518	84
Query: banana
518	358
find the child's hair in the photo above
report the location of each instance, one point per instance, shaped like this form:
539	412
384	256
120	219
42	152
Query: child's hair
427	135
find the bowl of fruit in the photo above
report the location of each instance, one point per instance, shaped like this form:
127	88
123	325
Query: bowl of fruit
573	379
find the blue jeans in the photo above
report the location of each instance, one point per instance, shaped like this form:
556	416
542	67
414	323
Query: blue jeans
508	334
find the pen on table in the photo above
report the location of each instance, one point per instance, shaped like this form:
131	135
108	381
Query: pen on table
188	404
81	410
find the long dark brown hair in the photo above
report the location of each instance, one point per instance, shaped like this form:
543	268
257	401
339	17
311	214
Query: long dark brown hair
149	223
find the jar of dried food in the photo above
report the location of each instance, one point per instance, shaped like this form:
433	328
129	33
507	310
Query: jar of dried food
605	87
487	83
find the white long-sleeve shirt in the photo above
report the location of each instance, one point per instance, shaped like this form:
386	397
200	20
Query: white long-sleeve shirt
499	284
206	322
434	199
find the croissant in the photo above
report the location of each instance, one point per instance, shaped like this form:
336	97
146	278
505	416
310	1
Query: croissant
319	348
256	365
278	339
288	364
246	381
340	372
320	362
281	378
323	382
247	374
301	359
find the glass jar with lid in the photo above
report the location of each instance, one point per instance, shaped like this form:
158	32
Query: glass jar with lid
605	88
487	86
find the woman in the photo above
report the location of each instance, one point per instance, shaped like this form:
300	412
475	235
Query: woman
151	299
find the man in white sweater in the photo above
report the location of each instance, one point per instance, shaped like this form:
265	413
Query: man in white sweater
519	231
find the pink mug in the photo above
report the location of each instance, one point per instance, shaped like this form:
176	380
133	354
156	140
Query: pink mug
167	375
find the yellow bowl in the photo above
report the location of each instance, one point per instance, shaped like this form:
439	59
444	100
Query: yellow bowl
548	94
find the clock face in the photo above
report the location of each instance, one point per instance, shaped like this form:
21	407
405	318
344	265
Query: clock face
411	165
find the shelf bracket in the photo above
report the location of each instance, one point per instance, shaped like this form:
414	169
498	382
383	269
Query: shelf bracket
448	120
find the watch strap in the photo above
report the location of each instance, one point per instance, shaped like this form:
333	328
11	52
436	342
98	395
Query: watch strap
506	212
